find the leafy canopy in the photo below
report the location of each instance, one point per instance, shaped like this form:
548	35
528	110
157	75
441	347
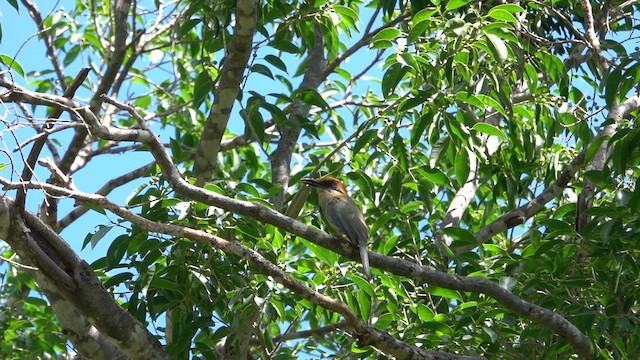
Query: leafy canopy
494	142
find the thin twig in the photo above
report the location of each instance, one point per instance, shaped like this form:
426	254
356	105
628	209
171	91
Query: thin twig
48	41
28	171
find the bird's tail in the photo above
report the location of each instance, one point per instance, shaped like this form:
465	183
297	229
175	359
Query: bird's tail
365	258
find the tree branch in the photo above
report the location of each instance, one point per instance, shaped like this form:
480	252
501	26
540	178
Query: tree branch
48	42
79	141
319	331
260	212
30	164
226	93
585	199
518	216
459	203
105	190
366	334
85	338
590	35
290	131
74	279
364	41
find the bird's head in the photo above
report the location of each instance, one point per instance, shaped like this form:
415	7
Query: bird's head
327	185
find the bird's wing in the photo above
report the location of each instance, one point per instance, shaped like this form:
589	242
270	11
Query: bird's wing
348	218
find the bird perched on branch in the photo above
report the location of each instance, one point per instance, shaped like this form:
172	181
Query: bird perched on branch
342	214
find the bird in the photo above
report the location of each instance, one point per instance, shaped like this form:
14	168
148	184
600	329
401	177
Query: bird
342	214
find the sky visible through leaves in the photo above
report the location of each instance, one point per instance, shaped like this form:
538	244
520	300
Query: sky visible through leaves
20	42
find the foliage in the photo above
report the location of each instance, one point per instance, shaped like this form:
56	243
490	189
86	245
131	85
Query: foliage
441	117
28	324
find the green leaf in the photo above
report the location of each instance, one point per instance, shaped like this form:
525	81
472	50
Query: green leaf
71	55
446	293
498	47
510	8
11	63
381	221
502	14
364	294
461	166
187	25
532	77
116	251
277	113
593	148
390	244
598	177
95	238
201	89
424	14
491	102
312	97
276	61
462	237
470	99
369	138
35	301
554	224
364	183
438	149
634	201
611	86
394	74
386	34
248	189
435	176
277	240
285	46
14	3
417	30
420	126
455	4
424	313
467	305
326	256
346	12
411	206
488	129
136	243
381	44
118	279
162	283
263	70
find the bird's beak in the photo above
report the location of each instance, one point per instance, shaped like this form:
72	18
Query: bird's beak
310	181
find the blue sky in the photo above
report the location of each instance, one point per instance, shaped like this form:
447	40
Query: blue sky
19	42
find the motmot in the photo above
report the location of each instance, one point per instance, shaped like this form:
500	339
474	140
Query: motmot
342	214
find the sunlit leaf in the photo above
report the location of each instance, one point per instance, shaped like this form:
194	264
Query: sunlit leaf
462	237
499	48
386	34
502	14
488	129
12	64
455	4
